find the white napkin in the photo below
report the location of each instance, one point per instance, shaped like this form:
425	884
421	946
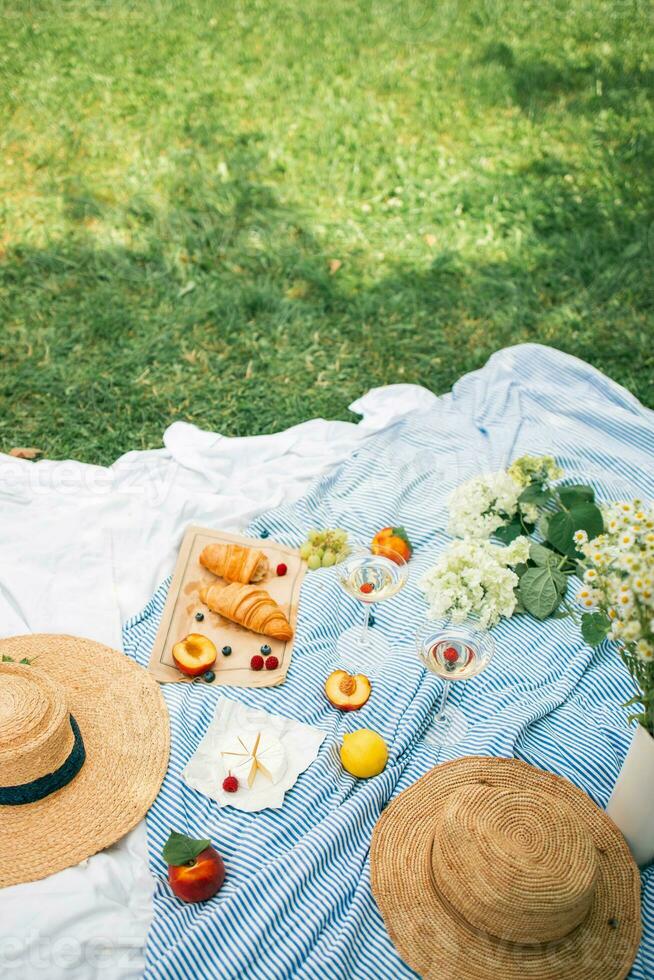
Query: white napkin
205	770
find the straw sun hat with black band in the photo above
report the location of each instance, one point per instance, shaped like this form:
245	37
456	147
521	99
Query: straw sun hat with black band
489	868
84	743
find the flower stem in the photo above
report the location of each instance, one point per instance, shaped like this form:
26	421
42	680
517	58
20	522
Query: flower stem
571	612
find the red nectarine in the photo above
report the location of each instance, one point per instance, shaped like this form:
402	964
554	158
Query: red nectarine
198	879
390	542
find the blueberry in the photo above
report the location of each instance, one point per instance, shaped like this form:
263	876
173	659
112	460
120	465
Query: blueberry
264	533
199	616
371	621
265	649
208	676
226	651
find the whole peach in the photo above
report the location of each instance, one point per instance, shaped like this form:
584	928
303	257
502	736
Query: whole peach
199	879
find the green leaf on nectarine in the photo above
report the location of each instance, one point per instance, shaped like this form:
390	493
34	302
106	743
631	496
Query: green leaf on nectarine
180	849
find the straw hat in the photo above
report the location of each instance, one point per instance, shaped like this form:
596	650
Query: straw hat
491	868
84	742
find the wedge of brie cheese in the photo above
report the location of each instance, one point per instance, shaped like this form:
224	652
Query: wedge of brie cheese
245	754
246	771
271	757
233	752
249	741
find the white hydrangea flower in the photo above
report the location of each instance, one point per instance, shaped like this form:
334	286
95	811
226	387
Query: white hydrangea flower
474	577
480	506
517	551
529	513
539	469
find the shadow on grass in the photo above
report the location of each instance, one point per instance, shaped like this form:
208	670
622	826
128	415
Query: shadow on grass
586	86
223	309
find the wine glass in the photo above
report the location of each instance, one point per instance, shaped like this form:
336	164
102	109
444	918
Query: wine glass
370	578
454	652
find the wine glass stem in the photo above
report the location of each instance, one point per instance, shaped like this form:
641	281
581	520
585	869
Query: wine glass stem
366	620
444	695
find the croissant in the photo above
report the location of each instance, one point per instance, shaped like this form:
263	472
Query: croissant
253	608
234	562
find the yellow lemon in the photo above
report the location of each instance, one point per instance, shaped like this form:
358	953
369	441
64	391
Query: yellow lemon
364	753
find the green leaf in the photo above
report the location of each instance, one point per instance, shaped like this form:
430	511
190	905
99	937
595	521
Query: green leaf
6	659
180	849
535	494
509	532
560	533
576	493
560	580
637	699
543	523
594	627
521	569
25	660
541	555
562	526
587	517
538	592
400	532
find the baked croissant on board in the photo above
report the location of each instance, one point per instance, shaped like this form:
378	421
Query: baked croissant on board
250	607
235	562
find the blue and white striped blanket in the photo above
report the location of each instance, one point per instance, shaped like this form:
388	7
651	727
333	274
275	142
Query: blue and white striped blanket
297	899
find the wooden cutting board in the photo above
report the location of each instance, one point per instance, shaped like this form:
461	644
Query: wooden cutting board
183	602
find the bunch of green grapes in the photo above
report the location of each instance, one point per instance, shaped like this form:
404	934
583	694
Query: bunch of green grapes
325	548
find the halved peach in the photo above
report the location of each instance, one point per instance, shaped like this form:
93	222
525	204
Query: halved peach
194	654
347	691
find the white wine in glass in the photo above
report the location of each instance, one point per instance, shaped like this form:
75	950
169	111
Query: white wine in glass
454	652
369	578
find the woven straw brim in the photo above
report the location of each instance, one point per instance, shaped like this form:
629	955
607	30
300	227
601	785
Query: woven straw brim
124	723
434	940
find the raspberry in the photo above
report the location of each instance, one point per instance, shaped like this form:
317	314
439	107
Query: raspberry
450	655
230	784
257	662
272	663
366	588
282	568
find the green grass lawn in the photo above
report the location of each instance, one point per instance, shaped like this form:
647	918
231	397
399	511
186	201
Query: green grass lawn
245	214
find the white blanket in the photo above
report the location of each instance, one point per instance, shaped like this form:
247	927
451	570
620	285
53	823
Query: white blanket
82	548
